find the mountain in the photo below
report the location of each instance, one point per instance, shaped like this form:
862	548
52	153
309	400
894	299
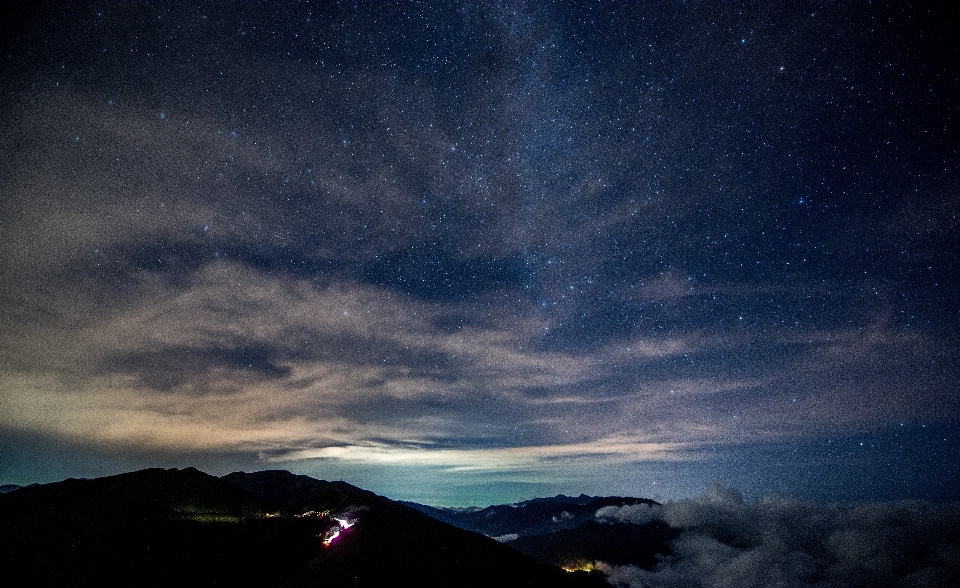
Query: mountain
152	527
186	528
292	494
531	517
563	530
387	541
615	544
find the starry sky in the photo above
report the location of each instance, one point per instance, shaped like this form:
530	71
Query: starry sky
472	253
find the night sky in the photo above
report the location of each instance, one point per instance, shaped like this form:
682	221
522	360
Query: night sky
475	253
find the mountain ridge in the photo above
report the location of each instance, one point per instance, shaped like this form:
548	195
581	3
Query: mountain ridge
564	531
184	527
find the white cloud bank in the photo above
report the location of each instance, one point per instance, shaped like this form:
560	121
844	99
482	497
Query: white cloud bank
728	542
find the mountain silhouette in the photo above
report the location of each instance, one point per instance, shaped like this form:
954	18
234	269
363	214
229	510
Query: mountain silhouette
531	517
616	544
295	494
406	543
563	530
186	528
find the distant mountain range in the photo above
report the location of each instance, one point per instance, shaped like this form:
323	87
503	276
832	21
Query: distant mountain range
563	530
531	517
11	487
187	528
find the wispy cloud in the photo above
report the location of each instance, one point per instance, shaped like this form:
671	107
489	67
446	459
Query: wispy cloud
350	371
517	245
531	457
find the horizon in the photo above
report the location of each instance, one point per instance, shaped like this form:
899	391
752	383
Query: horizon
474	253
715	489
720	538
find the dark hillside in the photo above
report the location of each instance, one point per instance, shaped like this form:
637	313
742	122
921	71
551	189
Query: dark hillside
294	494
617	544
390	542
187	528
563	530
152	527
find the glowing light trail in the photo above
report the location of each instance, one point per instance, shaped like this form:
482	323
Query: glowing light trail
334	531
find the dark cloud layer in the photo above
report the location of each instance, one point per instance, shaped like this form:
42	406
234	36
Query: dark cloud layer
726	541
621	243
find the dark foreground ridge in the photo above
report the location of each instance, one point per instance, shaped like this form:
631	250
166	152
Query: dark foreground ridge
186	528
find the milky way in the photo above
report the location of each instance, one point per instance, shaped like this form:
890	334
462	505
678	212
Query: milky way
479	252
